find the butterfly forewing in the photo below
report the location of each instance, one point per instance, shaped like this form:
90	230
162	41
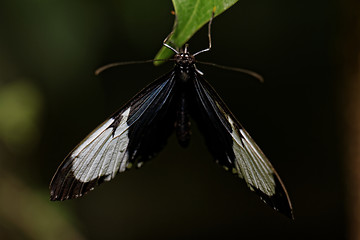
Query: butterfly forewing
137	131
234	149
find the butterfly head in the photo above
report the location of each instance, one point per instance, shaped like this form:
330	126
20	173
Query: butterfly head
184	60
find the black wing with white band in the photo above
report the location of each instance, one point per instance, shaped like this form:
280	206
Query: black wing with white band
234	149
129	137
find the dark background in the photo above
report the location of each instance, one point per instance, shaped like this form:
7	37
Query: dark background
50	100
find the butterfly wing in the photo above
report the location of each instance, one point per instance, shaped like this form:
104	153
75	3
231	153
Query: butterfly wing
130	136
233	148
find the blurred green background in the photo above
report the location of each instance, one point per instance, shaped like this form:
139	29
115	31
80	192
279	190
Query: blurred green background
50	100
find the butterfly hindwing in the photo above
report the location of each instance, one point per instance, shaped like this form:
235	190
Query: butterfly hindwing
137	131
234	149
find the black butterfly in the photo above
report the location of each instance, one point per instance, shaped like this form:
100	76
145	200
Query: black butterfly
140	129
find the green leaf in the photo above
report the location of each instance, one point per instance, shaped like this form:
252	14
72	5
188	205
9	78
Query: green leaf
191	16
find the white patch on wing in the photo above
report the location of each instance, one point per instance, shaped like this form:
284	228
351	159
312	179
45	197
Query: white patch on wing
103	153
250	162
91	137
123	140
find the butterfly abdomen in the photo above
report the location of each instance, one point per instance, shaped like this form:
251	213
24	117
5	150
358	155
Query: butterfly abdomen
182	123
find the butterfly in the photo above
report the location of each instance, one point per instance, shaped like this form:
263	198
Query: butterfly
139	130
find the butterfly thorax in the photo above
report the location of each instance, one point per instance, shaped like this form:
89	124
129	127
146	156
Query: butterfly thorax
185	63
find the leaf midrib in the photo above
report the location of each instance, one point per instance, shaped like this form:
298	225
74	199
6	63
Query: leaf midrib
189	19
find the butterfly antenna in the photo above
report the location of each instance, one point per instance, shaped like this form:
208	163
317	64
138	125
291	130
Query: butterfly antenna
209	34
242	70
116	64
